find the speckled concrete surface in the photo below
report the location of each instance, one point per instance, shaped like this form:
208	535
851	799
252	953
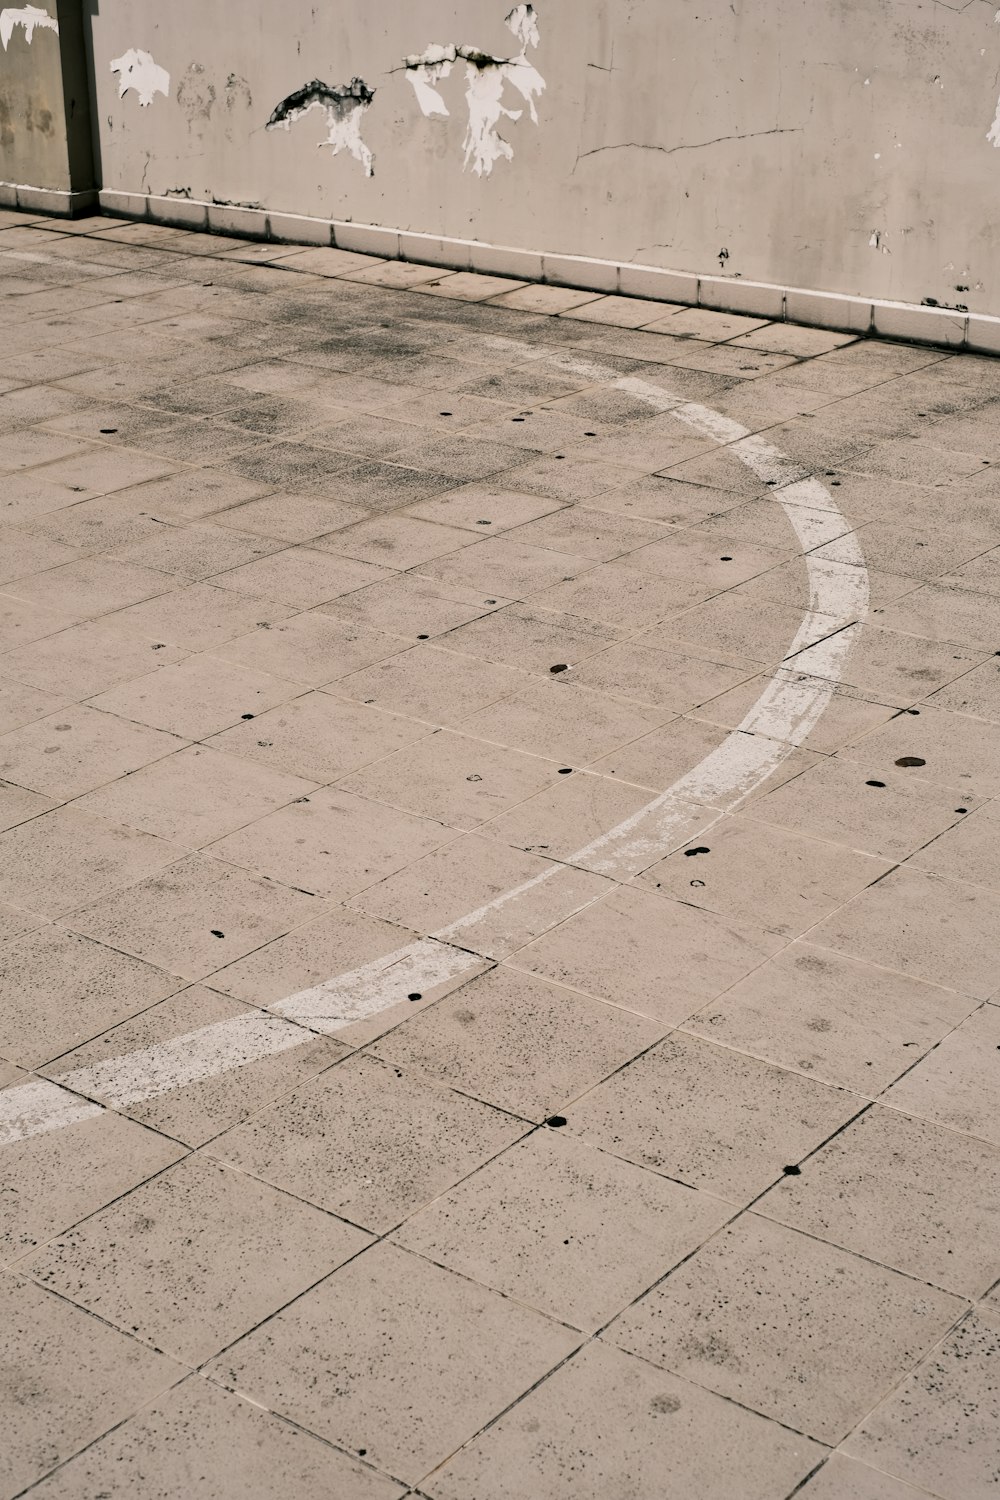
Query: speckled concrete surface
498	945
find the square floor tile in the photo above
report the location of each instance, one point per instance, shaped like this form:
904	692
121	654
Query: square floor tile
939	1428
195	1064
566	1228
663	678
898	668
848	715
195	1258
843	1478
195	796
710	1118
661	961
92	586
488	898
199	616
429	684
957	1084
23	705
368	1142
569	723
77	748
68	1379
454	778
935	929
290	518
52	1180
196	551
848	1023
624	596
753	873
88	659
395	541
977	693
330	945
533	640
517	1042
934	745
313	648
905	1192
890	816
237	1451
58	990
18	805
332	843
606	1424
411	606
64	858
471	504
786	1325
196	916
506	565
301	576
340	1376
572	819
201	696
321	737
968	851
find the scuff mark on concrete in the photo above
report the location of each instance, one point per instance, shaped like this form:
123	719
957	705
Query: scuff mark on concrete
196	96
238	92
344	106
486	77
28	16
138	71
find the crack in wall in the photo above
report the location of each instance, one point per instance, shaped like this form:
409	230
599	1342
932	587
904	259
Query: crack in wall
685	146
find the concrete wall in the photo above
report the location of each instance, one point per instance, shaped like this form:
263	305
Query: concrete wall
847	146
45	125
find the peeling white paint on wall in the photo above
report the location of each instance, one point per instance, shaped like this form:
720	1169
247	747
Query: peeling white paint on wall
993	134
28	16
344	106
486	78
425	70
877	242
138	71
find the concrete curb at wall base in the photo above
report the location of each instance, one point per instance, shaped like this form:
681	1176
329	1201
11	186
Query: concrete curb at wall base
52	201
940	327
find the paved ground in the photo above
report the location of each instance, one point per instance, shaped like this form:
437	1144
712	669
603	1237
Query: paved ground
475	1023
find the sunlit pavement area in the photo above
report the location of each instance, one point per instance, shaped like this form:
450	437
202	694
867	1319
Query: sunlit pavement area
500	889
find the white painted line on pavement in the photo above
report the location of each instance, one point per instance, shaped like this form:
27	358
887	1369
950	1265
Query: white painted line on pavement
782	718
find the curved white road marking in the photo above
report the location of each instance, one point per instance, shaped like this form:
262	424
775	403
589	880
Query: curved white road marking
782	718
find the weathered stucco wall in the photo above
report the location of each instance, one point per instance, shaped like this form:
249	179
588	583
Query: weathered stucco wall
849	147
45	127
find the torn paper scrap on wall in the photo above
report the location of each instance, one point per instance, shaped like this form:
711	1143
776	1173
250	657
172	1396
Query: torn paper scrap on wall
486	78
137	70
28	16
344	106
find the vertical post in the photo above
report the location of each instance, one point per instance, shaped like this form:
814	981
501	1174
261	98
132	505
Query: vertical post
46	140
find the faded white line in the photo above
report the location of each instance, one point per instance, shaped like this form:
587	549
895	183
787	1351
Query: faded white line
782	718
